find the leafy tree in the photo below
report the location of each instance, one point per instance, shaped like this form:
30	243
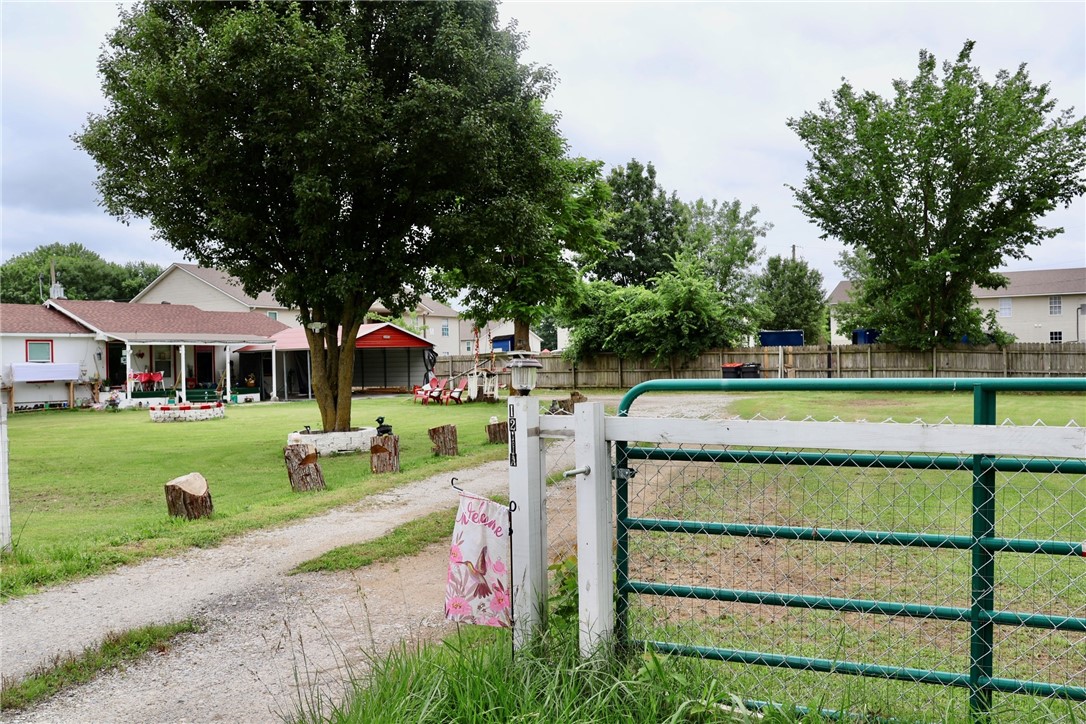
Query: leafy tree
791	296
939	186
25	278
336	153
681	316
646	227
725	238
532	262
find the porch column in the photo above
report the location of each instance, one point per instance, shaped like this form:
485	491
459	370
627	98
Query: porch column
181	376
128	369
309	377
227	350
275	385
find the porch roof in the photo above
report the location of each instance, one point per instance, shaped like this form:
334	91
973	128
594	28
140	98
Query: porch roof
168	323
292	339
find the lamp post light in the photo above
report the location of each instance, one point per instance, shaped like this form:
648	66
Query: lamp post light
524	370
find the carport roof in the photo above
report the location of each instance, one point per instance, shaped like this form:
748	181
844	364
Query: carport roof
292	339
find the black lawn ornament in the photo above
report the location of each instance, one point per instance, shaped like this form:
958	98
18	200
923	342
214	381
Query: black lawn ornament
382	428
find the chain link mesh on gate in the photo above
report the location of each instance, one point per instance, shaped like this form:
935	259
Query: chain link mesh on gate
561	497
772	581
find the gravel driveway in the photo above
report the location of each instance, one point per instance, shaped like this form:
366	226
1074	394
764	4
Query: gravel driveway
268	638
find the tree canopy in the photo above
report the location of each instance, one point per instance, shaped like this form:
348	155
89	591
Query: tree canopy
336	153
646	227
790	296
938	186
25	278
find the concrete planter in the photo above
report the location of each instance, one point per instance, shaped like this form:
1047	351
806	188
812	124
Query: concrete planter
187	412
335	443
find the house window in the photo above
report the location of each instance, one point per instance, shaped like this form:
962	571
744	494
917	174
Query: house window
273	315
1004	307
467	346
1055	337
164	362
1055	305
39	350
444	329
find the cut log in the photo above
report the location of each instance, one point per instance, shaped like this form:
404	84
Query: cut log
444	439
302	467
188	497
385	454
498	432
566	406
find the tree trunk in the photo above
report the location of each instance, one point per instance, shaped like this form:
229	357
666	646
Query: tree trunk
521	335
188	497
302	468
385	454
498	432
444	439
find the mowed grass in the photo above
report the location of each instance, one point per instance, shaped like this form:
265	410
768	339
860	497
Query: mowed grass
931	407
87	486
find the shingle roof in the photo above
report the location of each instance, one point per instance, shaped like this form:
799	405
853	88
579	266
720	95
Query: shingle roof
169	321
36	319
1041	282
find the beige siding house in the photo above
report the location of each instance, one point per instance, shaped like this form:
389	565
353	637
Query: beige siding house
212	291
1040	306
1047	305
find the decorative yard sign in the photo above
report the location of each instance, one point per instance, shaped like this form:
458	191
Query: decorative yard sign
479	585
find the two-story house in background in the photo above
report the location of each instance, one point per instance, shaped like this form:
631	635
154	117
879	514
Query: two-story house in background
1047	305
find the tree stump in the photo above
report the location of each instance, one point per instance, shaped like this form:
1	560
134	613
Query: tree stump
385	454
498	432
302	467
566	406
444	439
188	497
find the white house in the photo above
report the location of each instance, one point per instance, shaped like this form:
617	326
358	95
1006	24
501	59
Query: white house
1047	305
68	349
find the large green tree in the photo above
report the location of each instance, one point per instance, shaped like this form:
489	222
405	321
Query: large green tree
939	186
532	261
790	296
25	278
336	153
646	227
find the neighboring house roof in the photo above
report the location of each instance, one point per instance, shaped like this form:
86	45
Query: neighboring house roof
1038	283
221	282
1041	282
383	335
168	322
36	319
840	293
431	306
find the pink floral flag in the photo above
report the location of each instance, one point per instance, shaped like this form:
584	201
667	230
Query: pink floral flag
479	586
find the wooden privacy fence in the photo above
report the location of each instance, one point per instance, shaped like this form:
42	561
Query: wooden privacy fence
808	362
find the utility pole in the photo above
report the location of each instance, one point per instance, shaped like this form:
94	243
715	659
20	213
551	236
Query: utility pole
793	252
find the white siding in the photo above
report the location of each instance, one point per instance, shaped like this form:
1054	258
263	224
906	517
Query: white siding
1030	320
66	348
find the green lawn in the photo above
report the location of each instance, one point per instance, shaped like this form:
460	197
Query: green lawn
87	486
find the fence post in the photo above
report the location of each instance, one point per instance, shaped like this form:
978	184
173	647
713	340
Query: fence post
982	586
595	536
5	502
527	488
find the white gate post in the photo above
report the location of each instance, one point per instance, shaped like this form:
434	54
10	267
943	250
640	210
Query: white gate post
5	503
595	534
527	488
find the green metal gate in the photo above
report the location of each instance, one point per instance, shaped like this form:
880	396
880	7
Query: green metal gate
1013	528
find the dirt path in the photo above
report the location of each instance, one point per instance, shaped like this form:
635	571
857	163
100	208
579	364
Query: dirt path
262	628
268	638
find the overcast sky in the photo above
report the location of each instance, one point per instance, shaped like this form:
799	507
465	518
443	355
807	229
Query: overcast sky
701	90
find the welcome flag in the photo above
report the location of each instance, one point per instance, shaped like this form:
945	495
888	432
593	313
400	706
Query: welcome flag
479	586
